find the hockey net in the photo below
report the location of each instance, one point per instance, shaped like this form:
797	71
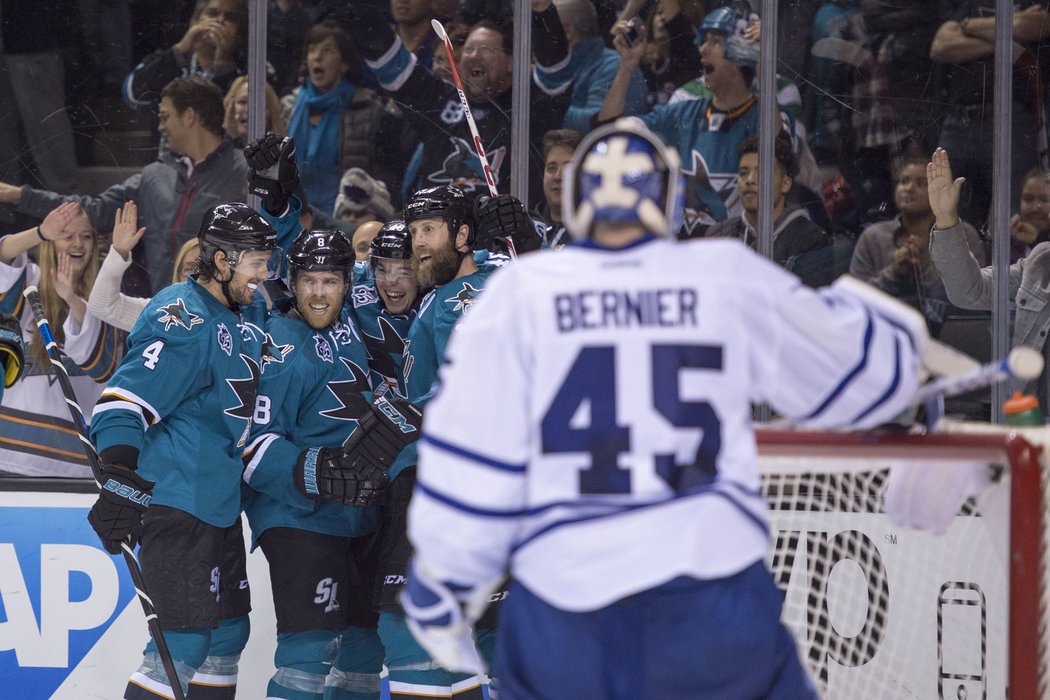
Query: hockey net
882	611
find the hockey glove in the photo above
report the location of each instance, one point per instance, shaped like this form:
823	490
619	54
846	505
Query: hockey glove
504	217
439	623
384	431
272	171
12	349
117	514
333	474
928	495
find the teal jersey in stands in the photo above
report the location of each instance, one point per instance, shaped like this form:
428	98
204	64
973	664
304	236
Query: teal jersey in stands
184	396
311	397
384	333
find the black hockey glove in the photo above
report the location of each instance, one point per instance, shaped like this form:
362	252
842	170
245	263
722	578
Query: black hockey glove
12	349
122	500
272	171
502	217
332	474
355	474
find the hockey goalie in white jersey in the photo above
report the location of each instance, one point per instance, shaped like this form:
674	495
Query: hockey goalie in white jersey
593	435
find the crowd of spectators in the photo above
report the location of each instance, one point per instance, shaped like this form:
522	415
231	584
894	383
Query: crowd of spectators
866	90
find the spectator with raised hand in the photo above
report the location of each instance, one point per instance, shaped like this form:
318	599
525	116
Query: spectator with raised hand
434	109
106	301
969	285
212	47
202	170
335	120
593	67
35	437
707	131
894	256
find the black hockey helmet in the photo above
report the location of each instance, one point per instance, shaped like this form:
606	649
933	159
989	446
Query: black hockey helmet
329	250
446	202
233	228
393	242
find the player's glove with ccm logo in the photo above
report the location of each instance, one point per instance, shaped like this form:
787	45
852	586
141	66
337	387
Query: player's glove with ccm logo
122	499
273	174
355	474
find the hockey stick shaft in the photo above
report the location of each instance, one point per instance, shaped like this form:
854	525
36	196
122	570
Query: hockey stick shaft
489	180
1021	363
32	296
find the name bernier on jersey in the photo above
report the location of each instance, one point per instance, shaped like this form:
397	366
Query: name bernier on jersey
596	309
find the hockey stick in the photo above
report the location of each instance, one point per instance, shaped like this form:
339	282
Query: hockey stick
55	356
489	180
1022	363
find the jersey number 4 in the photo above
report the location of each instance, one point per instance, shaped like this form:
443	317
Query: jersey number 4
592	380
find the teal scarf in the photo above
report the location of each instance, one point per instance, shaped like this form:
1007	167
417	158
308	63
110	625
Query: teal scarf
317	147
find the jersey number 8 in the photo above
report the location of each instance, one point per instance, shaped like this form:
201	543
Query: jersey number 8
592	378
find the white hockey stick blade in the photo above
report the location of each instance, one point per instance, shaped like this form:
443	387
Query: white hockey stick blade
942	360
436	24
1022	363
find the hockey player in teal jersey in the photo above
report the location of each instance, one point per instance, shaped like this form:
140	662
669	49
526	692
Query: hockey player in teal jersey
313	390
441	222
385	299
170	429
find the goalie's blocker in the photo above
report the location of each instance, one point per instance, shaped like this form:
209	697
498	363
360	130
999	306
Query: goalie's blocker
356	473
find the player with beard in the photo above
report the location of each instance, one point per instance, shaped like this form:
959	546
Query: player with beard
314	391
170	428
441	223
385	298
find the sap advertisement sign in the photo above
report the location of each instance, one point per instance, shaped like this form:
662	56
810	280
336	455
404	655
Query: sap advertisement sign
71	626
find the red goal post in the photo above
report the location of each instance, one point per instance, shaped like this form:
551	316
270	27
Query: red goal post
884	611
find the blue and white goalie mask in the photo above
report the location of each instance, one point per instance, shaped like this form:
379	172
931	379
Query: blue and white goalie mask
622	173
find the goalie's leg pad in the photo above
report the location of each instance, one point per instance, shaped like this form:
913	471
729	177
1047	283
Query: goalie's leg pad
357	666
412	672
216	678
188	650
303	660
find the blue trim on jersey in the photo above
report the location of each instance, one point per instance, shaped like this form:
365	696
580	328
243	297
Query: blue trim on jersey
441	498
706	490
473	456
592	245
869	333
892	389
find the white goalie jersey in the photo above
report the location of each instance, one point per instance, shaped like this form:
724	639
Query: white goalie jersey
593	427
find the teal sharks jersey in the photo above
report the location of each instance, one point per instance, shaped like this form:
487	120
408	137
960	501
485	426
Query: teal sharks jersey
184	397
310	395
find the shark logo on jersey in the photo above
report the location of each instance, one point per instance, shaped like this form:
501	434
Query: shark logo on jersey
225	340
350	393
322	348
381	351
709	197
363	295
273	351
245	390
250	331
464	298
462	167
175	314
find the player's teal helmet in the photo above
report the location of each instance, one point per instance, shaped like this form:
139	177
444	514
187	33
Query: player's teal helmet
623	173
321	251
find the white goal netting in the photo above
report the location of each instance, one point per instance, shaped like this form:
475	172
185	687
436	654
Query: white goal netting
882	611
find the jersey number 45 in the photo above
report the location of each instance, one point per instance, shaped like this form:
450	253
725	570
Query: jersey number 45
592	379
